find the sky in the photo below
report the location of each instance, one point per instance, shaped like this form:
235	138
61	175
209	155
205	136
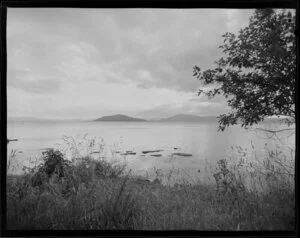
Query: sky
87	63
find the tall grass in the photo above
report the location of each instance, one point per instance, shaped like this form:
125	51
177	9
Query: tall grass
93	193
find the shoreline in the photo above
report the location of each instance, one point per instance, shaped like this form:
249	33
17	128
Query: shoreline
96	194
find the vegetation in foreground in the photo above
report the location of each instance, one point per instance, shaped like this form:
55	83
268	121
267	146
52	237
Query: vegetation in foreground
94	194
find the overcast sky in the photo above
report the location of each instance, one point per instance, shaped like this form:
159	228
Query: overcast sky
88	63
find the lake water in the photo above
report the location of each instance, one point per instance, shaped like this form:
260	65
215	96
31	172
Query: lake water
202	140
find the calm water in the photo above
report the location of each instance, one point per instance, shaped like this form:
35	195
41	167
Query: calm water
202	140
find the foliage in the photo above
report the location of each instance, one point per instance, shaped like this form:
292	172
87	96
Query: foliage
12	162
267	181
90	193
54	164
83	200
81	147
258	74
60	194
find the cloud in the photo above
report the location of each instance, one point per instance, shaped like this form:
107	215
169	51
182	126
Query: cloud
34	83
136	59
179	40
189	106
165	42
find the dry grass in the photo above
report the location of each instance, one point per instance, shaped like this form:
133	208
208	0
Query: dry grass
95	194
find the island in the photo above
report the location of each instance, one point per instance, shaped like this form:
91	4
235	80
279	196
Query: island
118	117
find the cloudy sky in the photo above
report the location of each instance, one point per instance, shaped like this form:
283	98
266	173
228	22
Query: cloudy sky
87	63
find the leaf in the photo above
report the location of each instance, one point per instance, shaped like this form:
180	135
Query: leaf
269	56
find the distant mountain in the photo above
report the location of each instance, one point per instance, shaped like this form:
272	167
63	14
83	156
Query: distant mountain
118	117
189	118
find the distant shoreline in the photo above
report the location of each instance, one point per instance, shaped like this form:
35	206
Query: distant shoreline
180	118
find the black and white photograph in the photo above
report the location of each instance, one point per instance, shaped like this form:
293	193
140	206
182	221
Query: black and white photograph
151	119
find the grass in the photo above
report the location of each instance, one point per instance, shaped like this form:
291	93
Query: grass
93	194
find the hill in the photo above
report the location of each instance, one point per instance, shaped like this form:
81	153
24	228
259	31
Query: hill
118	117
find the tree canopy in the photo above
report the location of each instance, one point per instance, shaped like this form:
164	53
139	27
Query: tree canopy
258	73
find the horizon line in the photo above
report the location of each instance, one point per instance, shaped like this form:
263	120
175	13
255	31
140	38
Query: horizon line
88	119
144	118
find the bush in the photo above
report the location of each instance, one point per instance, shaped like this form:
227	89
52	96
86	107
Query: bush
94	194
53	164
60	195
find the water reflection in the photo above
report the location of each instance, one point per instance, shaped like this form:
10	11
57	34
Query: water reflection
202	140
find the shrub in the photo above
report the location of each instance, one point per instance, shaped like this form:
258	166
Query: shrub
94	194
53	164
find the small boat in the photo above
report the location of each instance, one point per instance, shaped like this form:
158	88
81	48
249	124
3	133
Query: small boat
129	153
151	151
182	154
156	155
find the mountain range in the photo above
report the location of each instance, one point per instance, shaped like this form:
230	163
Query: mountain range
188	118
124	118
175	118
